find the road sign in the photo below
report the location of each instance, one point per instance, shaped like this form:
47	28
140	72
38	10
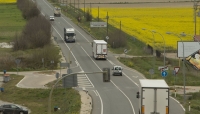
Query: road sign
164	73
163	68
107	37
151	71
17	61
176	69
125	50
98	24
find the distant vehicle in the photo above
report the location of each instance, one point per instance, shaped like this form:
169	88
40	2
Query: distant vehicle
99	49
153	96
12	109
117	70
51	18
69	35
57	12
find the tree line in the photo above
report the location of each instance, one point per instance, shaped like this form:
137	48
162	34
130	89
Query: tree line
33	45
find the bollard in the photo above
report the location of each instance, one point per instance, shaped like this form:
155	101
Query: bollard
189	106
175	93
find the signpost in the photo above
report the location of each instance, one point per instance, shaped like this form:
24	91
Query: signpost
176	69
107	38
151	71
17	61
125	52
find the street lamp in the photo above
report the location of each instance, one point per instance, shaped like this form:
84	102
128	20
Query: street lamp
182	34
164	44
153	45
59	79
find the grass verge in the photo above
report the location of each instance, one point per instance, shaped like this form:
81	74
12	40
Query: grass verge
68	100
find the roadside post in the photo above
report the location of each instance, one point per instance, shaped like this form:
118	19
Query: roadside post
175	71
17	61
189	107
175	93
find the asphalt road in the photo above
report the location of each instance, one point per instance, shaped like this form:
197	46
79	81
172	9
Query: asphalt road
115	97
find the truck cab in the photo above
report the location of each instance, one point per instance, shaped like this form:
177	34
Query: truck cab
57	12
117	70
69	35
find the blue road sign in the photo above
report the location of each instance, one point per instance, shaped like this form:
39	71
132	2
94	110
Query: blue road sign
164	73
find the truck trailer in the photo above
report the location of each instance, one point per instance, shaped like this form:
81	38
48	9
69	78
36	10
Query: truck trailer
99	49
69	35
153	96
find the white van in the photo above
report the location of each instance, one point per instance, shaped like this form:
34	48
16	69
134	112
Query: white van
117	70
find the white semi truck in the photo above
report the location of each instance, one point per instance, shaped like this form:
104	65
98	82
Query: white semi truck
69	35
99	49
153	96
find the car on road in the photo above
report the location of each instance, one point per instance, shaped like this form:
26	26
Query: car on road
51	18
12	109
117	70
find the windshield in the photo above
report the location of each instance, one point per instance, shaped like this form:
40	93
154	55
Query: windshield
117	68
70	34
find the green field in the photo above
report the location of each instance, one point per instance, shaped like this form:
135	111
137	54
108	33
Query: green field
11	22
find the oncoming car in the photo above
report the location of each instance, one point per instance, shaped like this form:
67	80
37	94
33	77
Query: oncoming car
51	18
117	70
12	109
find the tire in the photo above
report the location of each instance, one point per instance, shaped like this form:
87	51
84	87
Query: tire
21	112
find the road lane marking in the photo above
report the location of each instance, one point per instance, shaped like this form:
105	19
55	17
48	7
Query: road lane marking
101	102
178	103
134	76
124	95
95	92
113	83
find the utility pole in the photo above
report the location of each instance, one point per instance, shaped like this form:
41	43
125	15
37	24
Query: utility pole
107	23
195	8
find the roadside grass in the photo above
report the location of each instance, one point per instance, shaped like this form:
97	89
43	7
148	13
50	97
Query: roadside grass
192	100
11	22
68	100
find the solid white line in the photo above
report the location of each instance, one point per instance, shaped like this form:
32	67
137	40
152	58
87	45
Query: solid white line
110	62
131	79
95	92
101	102
178	103
134	76
113	82
125	96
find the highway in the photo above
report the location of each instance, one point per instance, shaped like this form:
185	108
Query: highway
115	97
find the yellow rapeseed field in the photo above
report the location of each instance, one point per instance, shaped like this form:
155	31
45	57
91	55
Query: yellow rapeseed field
161	20
8	1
